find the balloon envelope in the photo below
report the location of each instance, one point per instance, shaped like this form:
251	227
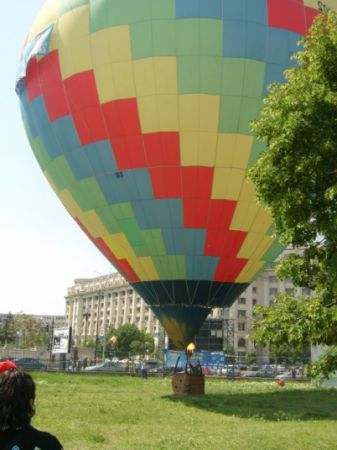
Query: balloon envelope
138	113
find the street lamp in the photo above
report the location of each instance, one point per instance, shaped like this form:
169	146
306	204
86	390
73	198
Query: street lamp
97	323
86	316
100	292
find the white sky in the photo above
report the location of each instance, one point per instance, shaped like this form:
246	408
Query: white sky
42	249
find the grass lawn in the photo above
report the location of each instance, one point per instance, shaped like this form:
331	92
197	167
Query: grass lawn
116	412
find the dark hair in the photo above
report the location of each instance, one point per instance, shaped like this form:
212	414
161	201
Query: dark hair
17	395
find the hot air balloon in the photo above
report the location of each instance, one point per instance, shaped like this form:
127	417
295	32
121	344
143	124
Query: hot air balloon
138	112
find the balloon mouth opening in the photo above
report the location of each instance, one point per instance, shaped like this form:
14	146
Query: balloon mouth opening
181	322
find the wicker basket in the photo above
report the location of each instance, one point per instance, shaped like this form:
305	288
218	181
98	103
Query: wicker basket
184	383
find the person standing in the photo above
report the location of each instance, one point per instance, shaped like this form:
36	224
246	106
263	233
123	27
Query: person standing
17	397
143	369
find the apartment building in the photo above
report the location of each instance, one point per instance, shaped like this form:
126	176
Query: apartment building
96	304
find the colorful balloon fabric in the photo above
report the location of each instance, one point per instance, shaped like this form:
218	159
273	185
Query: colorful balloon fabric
138	112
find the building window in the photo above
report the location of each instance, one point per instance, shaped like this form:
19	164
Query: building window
273	292
241	326
289	291
241	313
254	289
241	342
217	333
242	301
272	279
306	291
254	301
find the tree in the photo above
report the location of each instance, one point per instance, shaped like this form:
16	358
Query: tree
2	333
131	340
26	331
9	329
251	357
296	179
144	345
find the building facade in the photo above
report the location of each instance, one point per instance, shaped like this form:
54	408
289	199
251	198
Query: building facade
94	305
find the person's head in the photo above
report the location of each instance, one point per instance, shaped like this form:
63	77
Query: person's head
17	395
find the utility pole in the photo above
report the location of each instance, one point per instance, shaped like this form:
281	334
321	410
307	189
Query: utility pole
86	316
97	323
51	337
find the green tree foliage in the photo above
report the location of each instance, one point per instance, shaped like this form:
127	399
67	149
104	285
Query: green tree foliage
251	357
24	331
9	333
131	340
296	178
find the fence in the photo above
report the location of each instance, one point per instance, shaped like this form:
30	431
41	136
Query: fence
83	360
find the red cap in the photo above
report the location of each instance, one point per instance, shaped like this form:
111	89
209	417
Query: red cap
7	365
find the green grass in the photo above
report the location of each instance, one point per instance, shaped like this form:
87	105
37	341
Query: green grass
116	412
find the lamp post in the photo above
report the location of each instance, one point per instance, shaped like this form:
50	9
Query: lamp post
86	316
51	339
100	292
97	324
104	341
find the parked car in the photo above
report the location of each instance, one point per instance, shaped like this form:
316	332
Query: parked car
268	372
262	373
231	370
28	363
108	366
154	367
290	375
253	367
